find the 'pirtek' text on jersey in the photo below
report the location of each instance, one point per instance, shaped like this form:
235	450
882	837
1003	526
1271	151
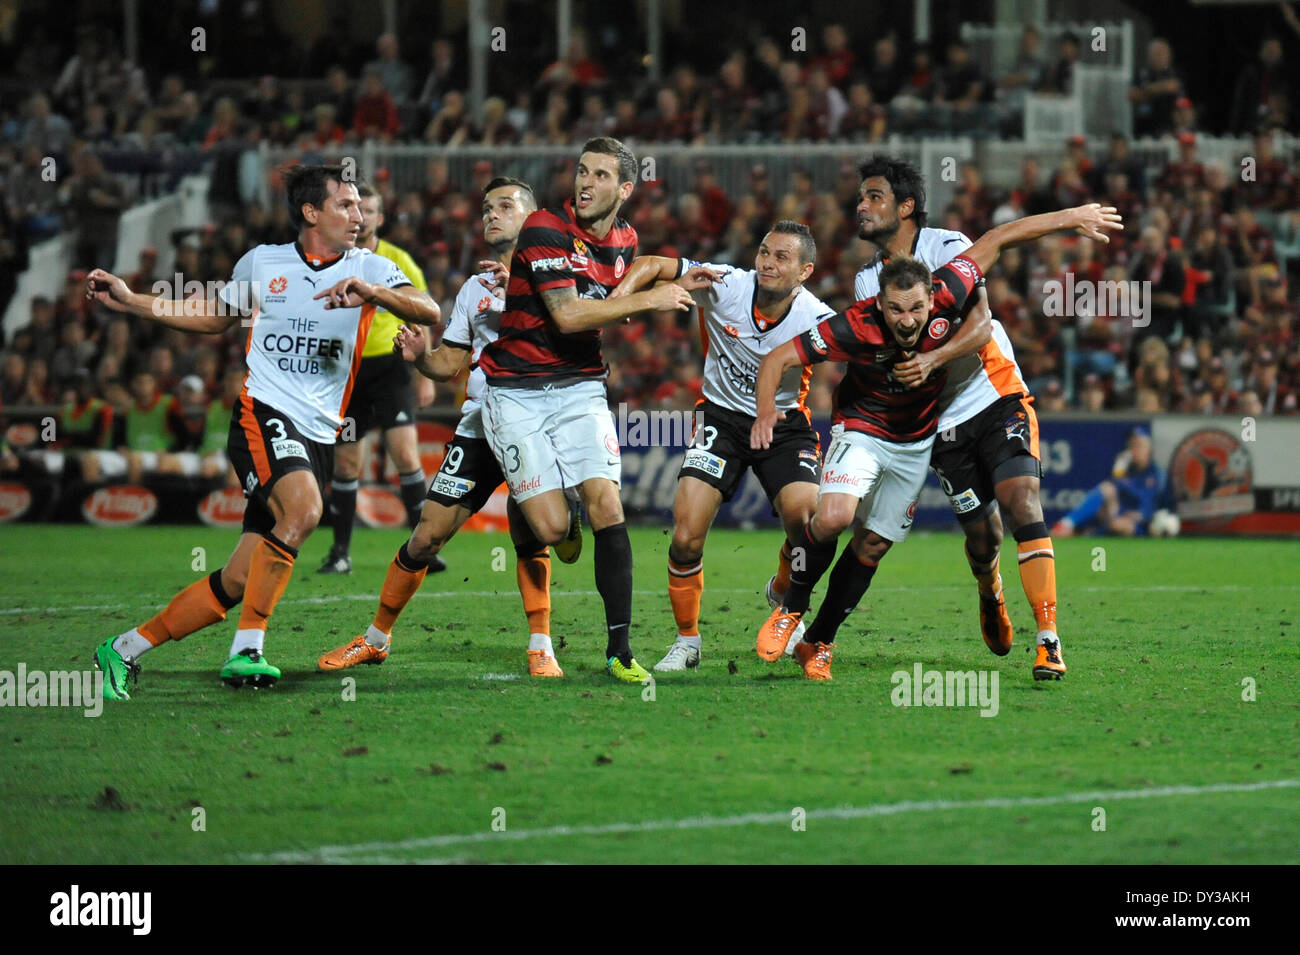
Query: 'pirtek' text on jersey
870	398
555	252
303	357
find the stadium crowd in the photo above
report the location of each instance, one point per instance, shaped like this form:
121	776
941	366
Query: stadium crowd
1222	324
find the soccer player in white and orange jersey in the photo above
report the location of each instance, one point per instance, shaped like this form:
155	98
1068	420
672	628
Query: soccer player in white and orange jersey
986	457
744	314
309	304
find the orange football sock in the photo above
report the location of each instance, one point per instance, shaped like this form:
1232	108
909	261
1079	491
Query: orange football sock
986	574
268	576
404	578
782	582
192	609
1038	576
685	588
534	576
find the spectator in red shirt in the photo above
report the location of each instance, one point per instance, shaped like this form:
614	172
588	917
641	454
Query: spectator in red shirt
1186	173
717	207
375	116
838	59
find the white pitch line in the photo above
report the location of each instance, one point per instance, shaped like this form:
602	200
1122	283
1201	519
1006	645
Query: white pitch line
368	850
444	594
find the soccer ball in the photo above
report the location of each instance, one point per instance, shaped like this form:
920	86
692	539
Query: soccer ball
1164	524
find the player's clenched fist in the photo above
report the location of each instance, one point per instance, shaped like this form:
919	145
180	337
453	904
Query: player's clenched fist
107	289
352	292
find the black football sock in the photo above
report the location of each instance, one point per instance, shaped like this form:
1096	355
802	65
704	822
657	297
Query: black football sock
343	504
614	581
849	581
810	558
413	487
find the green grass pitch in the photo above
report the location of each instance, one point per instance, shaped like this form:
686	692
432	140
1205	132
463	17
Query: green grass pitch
450	753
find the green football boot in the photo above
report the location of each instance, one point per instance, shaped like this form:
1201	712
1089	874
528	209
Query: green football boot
118	672
248	668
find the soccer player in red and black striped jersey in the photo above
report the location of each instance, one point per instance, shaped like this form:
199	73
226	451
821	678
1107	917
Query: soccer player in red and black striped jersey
545	408
886	416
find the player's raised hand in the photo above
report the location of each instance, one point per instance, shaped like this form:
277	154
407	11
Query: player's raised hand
352	292
669	297
107	289
497	280
409	342
698	277
760	435
915	370
1093	218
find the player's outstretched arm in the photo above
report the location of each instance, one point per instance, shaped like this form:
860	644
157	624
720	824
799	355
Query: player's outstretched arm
406	301
770	370
974	333
645	271
206	316
441	364
573	314
649	270
1092	220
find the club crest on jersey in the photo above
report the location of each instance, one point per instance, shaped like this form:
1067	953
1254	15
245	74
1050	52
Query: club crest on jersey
578	260
484	303
278	284
731	330
619	266
938	328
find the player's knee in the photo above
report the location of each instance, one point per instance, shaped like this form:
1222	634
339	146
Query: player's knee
983	539
605	511
832	520
1107	490
297	526
686	548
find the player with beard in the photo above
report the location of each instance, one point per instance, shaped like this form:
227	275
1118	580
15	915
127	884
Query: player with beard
469	474
986	457
545	405
886	414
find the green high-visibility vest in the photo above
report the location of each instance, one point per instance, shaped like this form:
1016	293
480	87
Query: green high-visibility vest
84	421
146	429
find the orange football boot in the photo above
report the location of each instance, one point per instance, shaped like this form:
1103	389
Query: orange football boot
775	633
351	654
541	663
995	623
1048	665
815	658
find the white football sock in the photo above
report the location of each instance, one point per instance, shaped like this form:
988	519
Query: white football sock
541	641
690	641
132	645
1047	635
376	638
244	639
